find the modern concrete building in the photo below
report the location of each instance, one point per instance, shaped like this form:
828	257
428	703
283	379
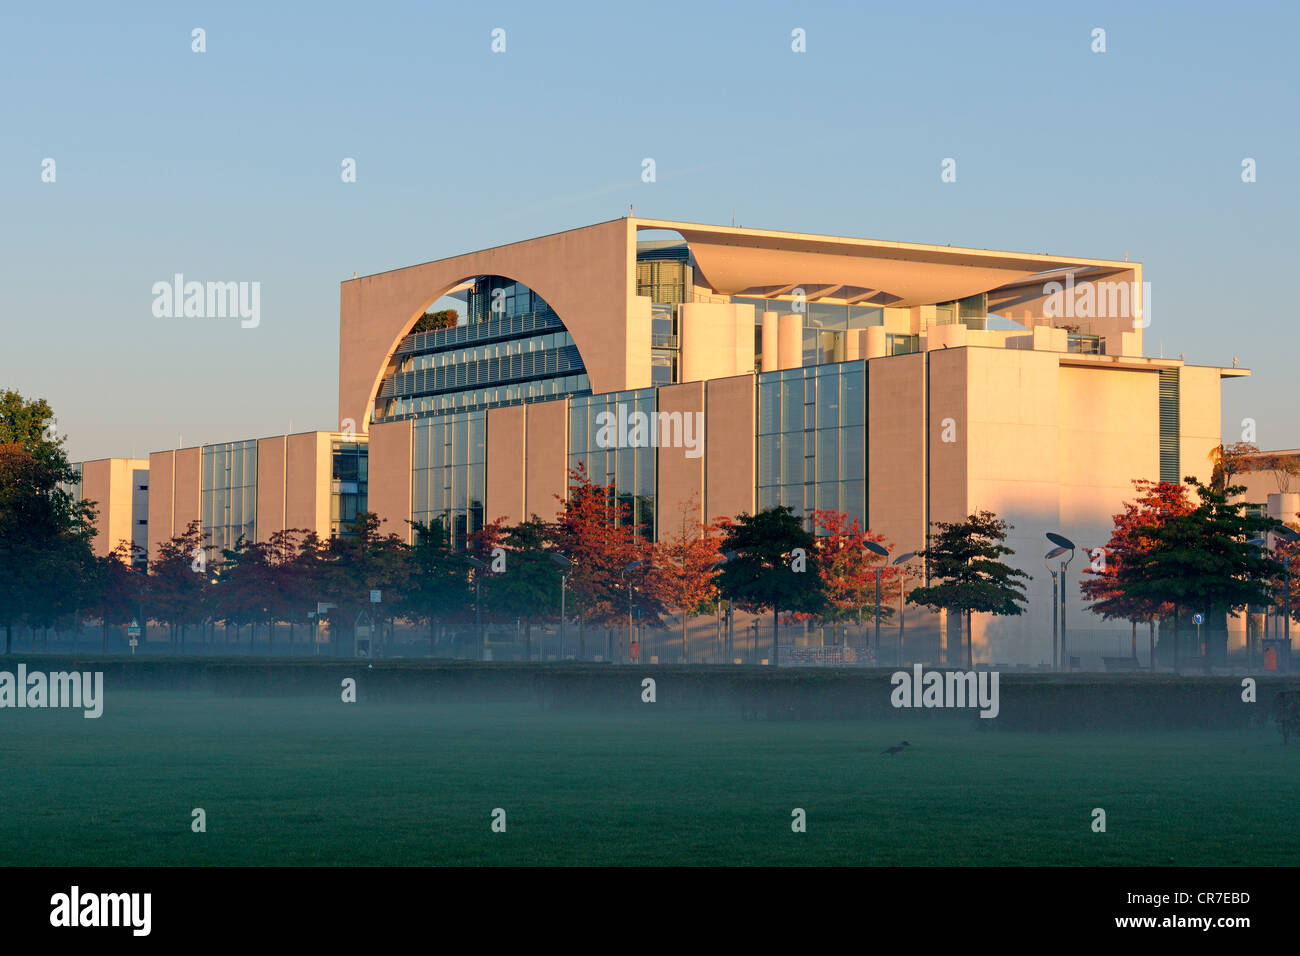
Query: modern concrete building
901	383
1272	483
120	489
314	481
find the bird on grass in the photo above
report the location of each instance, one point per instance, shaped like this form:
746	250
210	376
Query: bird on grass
896	749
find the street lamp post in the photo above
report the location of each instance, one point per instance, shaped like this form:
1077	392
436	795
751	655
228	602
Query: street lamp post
717	607
628	585
479	568
1250	648
565	565
1047	563
1061	541
883	552
1287	536
902	559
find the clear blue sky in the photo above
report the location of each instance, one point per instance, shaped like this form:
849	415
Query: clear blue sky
225	166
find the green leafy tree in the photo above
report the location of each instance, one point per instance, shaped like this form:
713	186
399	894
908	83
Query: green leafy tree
436	589
179	580
47	568
1201	560
1129	538
965	573
121	588
245	586
529	588
775	567
361	561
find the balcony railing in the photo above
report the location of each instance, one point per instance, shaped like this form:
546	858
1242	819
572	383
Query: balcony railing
1084	344
502	328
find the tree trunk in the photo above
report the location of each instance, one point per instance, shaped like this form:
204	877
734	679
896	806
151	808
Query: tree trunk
686	658
582	640
1176	636
1151	635
776	621
970	653
433	635
1135	638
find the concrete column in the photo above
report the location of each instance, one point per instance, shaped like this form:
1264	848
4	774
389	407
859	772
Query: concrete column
853	342
874	342
770	340
743	349
790	341
1284	507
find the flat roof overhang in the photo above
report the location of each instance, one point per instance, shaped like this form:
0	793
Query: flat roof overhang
763	263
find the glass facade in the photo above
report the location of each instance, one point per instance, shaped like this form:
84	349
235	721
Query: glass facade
825	325
812	439
631	470
663	275
229	497
901	343
516	393
493	350
448	472
349	482
74	487
513	349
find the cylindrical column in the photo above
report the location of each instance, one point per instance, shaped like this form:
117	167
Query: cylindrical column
853	345
770	340
790	341
873	342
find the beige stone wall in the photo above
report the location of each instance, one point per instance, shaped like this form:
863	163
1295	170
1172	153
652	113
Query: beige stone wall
680	477
547	463
390	477
112	484
187	488
272	456
587	275
161	479
505	464
1200	393
897	449
729	447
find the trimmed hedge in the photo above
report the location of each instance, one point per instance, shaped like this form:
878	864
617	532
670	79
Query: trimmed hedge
1034	702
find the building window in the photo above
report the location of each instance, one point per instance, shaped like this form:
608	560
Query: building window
811	440
229	493
448	476
630	470
1170	450
349	484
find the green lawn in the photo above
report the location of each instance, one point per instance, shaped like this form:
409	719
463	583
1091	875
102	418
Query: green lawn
313	781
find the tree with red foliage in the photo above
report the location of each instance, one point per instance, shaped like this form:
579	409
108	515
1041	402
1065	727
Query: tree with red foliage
179	581
594	531
121	588
685	565
289	598
1234	459
848	570
1130	539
